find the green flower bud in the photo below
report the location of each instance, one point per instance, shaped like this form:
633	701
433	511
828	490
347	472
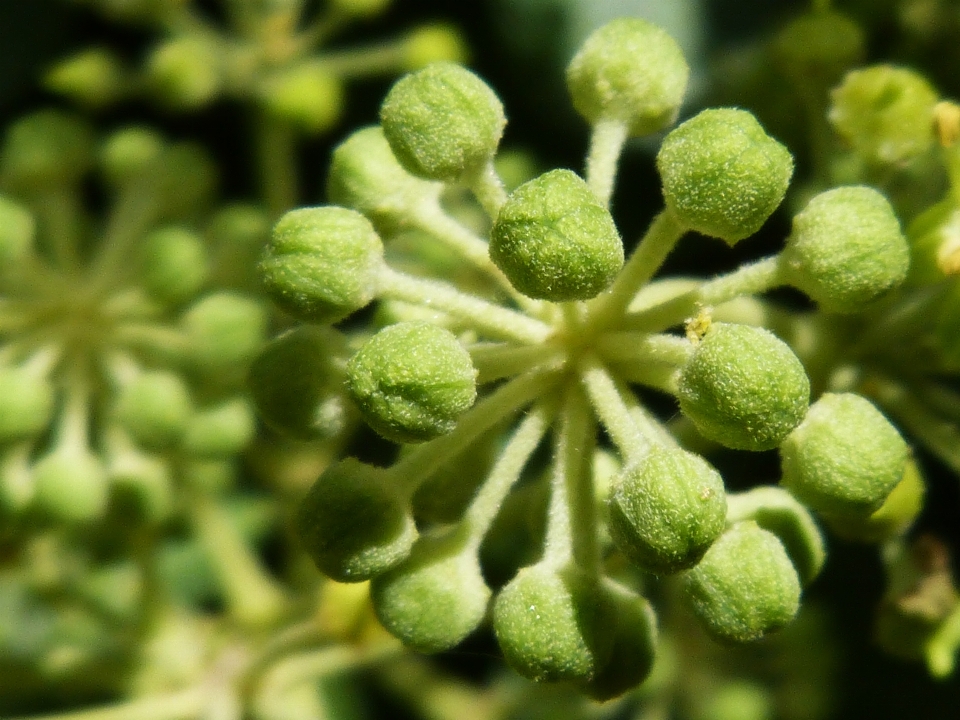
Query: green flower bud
185	72
221	430
155	408
71	484
885	113
354	522
432	43
845	458
745	586
92	77
555	624
296	383
434	598
16	233
816	49
442	122
128	152
47	148
306	96
555	241
225	330
412	381
26	403
322	263
631	71
846	249
667	510
743	388
894	517
722	174
634	647
175	264
934	240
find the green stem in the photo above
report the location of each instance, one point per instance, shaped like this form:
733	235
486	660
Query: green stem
495	321
644	348
614	411
370	61
651	375
494	361
130	218
488	188
606	144
59	213
276	159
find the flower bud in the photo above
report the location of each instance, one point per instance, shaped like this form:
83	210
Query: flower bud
846	249
155	408
434	598
667	510
220	431
26	403
71	484
175	264
845	458
17	229
555	624
185	72
225	331
322	263
722	174
306	96
555	241
412	381
128	152
893	518
296	383
631	71
46	148
236	235
354	524
817	48
885	113
432	43
92	77
442	122
745	586
743	387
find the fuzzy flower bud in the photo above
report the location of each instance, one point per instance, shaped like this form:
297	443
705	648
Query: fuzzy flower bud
667	510
322	263
722	174
412	381
175	264
745	586
354	524
442	122
846	249
629	71
845	458
743	388
555	241
434	598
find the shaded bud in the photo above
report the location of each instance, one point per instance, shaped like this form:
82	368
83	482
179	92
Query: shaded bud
307	96
442	122
175	264
322	263
432	43
154	408
412	381
893	518
71	485
128	152
221	430
185	72
817	48
45	148
92	77
722	174
743	387
555	241
631	71
26	403
667	510
225	331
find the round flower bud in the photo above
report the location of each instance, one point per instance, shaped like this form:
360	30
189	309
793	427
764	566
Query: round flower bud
155	408
175	264
442	122
631	71
71	484
322	263
722	174
128	152
433	43
220	431
817	48
46	148
666	510
296	383
412	381
555	625
745	586
885	113
354	524
26	403
555	241
185	72
225	330
894	517
306	96
634	647
434	598
16	233
845	458
743	387
846	249
92	77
